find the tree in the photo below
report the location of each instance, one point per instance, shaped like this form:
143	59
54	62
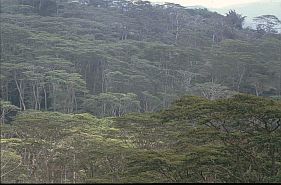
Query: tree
267	23
11	165
235	20
6	108
62	148
70	83
112	104
42	7
212	91
243	131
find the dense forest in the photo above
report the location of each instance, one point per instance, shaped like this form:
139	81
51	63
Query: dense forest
123	91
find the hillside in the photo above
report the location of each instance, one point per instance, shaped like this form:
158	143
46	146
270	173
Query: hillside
151	52
129	91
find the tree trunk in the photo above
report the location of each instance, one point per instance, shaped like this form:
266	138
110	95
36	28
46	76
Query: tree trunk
273	160
54	97
45	98
35	97
19	88
3	116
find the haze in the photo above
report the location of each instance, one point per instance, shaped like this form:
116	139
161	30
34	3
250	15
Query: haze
211	3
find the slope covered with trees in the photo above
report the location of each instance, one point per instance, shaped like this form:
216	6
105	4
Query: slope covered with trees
87	87
195	140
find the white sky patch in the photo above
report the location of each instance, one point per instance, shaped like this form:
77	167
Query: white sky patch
211	3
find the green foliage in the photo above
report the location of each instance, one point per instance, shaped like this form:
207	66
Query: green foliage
196	140
158	52
112	104
234	19
247	127
7	110
65	62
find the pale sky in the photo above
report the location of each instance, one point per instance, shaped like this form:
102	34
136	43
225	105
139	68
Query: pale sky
210	3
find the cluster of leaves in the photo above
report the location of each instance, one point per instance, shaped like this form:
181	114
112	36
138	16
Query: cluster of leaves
196	140
199	140
111	58
69	56
59	148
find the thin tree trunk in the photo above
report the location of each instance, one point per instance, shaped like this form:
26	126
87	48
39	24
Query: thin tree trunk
20	93
273	160
75	101
35	97
74	173
65	176
45	97
38	97
3	116
54	97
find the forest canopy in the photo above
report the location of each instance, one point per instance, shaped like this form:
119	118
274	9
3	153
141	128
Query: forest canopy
120	91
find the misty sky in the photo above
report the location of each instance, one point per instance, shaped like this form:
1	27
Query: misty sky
212	3
249	8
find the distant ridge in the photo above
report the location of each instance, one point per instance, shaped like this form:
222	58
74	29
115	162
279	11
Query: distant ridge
195	7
